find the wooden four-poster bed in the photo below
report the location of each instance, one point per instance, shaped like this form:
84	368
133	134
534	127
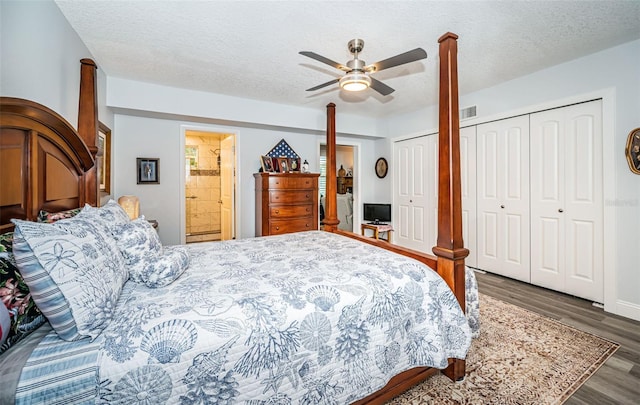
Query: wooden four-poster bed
48	166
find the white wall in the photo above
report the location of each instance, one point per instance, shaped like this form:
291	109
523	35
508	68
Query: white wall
40	58
135	136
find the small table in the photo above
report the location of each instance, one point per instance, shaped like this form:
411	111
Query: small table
377	230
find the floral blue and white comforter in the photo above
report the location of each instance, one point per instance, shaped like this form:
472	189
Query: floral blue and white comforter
304	318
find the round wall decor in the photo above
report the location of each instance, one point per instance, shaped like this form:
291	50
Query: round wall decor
632	151
381	167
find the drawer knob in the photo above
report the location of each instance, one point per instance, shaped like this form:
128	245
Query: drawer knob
277	228
307	196
307	225
277	211
308	210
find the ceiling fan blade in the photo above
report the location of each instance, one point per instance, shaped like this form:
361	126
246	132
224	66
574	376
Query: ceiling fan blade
322	59
409	56
324	84
380	87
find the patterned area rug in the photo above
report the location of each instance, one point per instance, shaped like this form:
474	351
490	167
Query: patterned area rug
520	358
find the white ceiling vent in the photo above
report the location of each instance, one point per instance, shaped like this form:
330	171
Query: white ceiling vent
468	113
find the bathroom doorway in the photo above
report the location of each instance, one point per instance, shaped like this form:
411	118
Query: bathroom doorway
209	186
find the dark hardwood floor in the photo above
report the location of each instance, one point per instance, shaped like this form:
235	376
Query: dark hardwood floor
618	380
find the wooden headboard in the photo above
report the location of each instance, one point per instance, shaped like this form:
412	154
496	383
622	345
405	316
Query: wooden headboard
38	146
45	164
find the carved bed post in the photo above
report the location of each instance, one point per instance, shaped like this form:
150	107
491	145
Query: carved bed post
88	125
330	210
450	249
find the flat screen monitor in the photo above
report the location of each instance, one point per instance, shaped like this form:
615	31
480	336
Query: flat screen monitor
377	213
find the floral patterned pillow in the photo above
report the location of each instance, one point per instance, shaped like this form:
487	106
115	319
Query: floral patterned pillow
74	270
136	240
51	217
164	269
24	314
111	214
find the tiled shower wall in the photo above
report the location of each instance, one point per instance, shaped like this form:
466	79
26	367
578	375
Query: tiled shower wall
203	183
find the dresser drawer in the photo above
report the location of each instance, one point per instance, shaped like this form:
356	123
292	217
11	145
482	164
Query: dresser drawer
278	227
287	183
288	197
288	211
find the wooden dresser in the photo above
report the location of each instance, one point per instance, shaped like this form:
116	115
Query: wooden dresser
286	202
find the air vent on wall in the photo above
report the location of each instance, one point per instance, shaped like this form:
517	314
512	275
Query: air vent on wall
468	113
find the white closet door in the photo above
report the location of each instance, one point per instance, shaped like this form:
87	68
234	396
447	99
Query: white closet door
567	200
411	194
468	180
468	190
432	189
503	197
417	192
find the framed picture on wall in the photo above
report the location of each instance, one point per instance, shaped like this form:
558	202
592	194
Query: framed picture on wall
148	170
104	148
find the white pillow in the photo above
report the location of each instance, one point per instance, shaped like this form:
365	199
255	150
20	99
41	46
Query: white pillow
74	270
136	240
164	269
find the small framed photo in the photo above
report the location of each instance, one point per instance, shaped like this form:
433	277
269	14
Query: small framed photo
283	164
267	164
148	170
294	164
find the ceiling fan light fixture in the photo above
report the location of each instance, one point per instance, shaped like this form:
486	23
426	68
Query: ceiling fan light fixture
355	81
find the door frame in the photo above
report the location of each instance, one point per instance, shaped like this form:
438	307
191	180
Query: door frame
182	225
357	170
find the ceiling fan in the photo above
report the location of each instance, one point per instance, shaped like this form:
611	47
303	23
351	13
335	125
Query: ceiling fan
358	75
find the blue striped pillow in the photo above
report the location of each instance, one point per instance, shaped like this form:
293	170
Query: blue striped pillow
74	271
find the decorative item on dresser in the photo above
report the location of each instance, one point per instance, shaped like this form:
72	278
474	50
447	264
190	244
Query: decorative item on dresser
286	202
345	185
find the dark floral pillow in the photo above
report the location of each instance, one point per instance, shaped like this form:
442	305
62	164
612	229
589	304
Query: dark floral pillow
51	217
14	293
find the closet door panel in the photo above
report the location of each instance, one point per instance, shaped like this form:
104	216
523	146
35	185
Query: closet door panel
503	197
411	194
431	205
488	204
468	188
489	247
566	191
584	203
547	199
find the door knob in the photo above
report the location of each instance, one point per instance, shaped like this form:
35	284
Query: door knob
502	206
560	210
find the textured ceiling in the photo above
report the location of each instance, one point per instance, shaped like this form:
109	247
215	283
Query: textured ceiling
250	49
